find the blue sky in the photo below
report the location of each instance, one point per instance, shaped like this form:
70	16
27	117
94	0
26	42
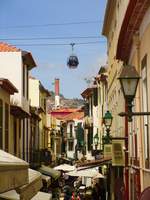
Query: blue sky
16	15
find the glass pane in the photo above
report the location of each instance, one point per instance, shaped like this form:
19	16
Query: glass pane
129	86
108	122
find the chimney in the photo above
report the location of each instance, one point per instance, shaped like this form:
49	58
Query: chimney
57	97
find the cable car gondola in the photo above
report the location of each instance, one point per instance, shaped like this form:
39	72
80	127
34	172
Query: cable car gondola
73	61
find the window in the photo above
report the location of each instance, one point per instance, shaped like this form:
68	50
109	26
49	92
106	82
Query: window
44	103
27	84
90	138
23	140
95	96
70	145
23	80
71	130
15	136
1	124
6	127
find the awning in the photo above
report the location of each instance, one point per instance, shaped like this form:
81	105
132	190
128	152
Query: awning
18	112
12	195
91	173
35	184
50	172
13	172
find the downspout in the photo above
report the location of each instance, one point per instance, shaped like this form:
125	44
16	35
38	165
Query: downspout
126	156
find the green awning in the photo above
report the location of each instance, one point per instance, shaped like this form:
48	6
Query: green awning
49	172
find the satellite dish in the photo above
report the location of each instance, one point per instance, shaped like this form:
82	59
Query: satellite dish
72	61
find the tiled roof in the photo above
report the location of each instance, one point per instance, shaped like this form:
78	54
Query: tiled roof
70	110
87	92
4	47
62	113
74	115
27	56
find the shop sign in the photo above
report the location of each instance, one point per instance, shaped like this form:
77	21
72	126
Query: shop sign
118	155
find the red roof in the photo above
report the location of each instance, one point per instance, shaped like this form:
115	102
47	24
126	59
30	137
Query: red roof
4	47
75	115
27	56
63	112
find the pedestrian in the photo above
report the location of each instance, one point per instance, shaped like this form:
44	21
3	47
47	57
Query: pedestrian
67	192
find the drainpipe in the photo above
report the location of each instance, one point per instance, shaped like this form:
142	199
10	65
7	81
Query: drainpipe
126	156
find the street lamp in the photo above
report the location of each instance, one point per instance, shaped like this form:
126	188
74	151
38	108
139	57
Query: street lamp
107	120
129	79
96	140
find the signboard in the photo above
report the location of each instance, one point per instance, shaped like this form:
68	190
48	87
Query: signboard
118	155
108	150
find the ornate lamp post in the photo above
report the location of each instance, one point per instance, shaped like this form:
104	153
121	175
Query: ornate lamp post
107	120
129	79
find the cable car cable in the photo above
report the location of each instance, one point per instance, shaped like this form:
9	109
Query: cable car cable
61	44
52	24
54	38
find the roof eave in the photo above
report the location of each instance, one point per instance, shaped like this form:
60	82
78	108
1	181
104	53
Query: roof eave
108	12
28	59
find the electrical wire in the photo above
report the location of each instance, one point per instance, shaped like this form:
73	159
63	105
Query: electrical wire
54	38
62	44
52	24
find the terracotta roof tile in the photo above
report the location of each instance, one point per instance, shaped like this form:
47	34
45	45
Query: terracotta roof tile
73	116
4	47
68	110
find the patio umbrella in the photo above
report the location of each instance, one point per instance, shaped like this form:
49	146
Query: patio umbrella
65	167
84	173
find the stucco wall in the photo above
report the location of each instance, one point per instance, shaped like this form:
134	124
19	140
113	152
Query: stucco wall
11	65
34	92
5	97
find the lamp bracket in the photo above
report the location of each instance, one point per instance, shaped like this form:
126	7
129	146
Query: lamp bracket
130	114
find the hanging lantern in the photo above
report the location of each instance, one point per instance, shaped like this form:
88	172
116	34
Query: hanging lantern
73	59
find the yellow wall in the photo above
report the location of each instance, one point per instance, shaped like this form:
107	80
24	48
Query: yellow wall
115	96
34	92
